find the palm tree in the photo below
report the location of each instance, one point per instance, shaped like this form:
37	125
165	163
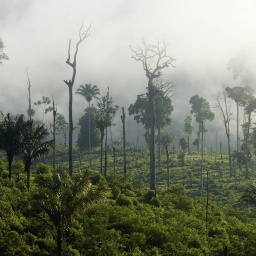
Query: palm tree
10	132
33	144
89	93
60	196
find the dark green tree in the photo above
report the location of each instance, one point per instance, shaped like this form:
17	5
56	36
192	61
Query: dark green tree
83	140
33	144
163	109
10	137
89	93
154	59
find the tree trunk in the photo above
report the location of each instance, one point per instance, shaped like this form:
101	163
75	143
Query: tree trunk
89	123
188	145
237	127
54	134
101	152
10	160
152	136
168	168
27	170
114	158
158	149
70	145
106	153
229	154
202	154
247	148
124	140
59	241
207	200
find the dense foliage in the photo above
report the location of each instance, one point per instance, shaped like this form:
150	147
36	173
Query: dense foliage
116	215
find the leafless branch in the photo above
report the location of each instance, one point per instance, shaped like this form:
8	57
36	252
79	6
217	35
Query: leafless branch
165	87
153	57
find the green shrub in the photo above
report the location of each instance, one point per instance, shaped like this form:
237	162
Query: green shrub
43	169
123	200
148	196
155	201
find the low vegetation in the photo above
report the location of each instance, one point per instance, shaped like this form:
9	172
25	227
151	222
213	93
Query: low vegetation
91	214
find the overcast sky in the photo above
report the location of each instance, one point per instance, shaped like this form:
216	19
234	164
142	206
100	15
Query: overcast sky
203	36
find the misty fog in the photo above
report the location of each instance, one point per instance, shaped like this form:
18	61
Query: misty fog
203	37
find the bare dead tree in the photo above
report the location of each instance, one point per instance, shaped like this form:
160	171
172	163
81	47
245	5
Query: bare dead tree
83	34
154	59
223	104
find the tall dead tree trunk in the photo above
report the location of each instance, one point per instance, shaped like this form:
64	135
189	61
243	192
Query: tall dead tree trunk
70	83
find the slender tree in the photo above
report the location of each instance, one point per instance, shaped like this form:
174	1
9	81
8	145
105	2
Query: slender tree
104	119
82	36
224	106
89	93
